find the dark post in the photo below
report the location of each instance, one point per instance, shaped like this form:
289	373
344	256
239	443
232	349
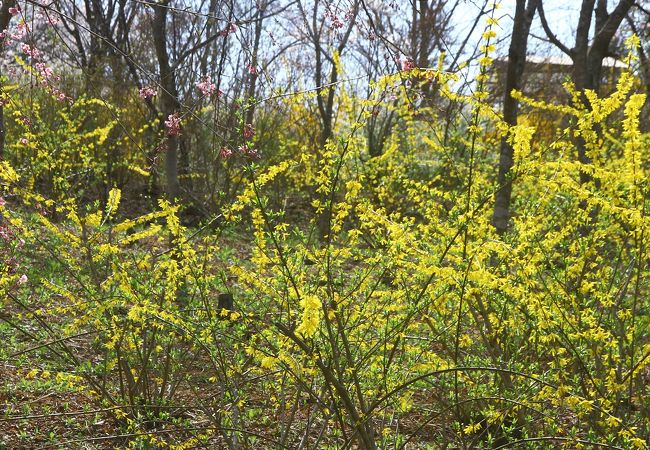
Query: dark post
225	302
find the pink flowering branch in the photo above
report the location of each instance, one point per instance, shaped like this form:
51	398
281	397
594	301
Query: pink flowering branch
147	92
207	87
173	125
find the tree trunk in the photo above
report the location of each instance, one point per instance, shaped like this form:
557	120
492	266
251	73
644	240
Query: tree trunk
169	103
325	98
588	59
5	18
516	63
253	75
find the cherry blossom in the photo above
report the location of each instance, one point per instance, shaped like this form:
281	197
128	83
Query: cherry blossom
173	125
207	87
249	151
408	64
147	92
231	28
249	131
225	152
30	51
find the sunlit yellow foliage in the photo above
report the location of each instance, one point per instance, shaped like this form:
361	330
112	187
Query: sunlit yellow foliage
396	300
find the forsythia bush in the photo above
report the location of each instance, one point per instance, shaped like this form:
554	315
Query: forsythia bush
78	146
397	316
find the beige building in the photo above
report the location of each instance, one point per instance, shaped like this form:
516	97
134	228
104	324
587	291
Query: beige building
544	77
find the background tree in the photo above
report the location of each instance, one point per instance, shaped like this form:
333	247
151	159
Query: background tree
639	23
170	105
395	41
5	17
524	14
588	52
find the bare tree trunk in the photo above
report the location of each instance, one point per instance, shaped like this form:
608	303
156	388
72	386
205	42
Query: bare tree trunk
581	78
588	59
516	63
644	61
253	75
169	103
5	17
589	76
326	89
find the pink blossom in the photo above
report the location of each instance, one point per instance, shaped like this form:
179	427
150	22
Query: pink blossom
251	69
336	22
231	28
147	92
30	51
225	152
24	141
3	201
249	151
14	10
18	34
22	279
53	20
46	74
173	125
56	93
44	71
206	87
408	64
249	131
21	32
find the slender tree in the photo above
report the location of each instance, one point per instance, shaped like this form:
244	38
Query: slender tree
5	17
169	102
414	39
253	70
640	25
524	15
321	30
588	54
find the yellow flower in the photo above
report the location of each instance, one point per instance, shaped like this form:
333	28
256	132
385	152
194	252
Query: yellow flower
311	306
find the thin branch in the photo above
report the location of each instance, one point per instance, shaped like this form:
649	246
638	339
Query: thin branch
552	37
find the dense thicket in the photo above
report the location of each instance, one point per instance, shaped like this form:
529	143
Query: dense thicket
301	225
